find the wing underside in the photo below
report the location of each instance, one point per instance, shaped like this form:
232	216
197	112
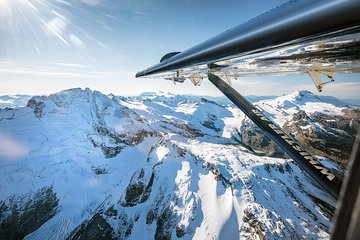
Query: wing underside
321	59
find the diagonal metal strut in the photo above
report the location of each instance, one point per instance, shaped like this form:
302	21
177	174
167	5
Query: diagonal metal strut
326	179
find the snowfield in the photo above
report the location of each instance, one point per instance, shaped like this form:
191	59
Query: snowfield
157	166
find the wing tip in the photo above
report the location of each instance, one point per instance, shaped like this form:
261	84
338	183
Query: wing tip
139	74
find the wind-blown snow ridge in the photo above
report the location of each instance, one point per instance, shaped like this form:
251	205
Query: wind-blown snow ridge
150	167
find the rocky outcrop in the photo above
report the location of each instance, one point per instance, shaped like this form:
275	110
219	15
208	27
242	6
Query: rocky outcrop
165	224
21	215
112	143
210	123
38	107
138	190
96	228
331	136
254	138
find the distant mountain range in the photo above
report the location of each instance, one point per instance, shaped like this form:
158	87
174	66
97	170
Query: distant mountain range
79	164
17	100
20	100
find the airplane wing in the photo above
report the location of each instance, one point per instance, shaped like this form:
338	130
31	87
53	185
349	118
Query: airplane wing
315	37
319	37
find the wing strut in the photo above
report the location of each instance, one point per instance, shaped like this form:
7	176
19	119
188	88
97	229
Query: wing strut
326	179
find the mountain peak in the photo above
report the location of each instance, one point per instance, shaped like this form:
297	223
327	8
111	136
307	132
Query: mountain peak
305	97
302	93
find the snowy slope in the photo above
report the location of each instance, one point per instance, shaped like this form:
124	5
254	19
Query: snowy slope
147	167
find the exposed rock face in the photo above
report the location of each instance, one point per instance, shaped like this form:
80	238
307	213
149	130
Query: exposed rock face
21	215
209	122
38	107
112	143
255	138
138	191
165	224
96	228
320	134
329	133
331	136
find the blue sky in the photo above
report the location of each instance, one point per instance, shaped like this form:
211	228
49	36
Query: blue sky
50	45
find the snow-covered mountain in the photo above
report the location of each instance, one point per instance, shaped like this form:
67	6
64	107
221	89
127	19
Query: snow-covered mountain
82	165
325	126
10	101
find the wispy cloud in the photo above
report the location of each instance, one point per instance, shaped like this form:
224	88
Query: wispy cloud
6	62
42	72
101	44
91	2
64	2
141	13
60	69
75	65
